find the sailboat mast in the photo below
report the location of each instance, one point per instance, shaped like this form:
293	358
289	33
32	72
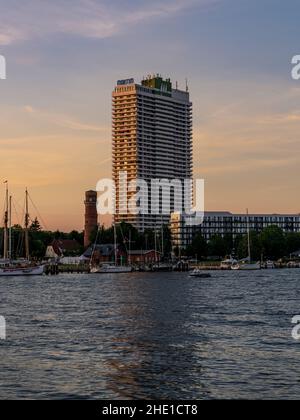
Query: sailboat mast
10	228
26	228
248	230
5	252
129	248
115	240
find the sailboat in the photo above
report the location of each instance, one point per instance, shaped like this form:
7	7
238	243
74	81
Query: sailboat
247	263
111	268
160	265
20	267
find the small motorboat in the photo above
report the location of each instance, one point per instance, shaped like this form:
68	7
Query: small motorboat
270	265
199	274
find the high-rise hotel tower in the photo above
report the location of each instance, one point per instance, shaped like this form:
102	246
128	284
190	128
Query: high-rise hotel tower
152	139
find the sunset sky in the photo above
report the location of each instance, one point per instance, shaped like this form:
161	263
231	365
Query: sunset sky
64	57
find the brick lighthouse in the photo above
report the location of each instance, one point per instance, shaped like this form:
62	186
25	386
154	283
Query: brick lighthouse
91	216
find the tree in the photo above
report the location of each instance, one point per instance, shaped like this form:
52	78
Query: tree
256	247
228	241
167	240
217	246
176	251
274	244
198	248
59	235
149	239
292	242
35	226
38	241
128	235
76	236
37	249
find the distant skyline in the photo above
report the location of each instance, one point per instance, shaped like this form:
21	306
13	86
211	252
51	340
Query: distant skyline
64	58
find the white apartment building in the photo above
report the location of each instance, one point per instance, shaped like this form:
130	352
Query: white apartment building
152	139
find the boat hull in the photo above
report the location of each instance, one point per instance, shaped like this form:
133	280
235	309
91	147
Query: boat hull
161	267
21	272
246	267
111	270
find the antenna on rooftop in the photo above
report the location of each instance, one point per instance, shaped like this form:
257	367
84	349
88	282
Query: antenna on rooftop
186	85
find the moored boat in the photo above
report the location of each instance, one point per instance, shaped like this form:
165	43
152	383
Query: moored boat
110	269
270	265
247	263
20	267
228	263
14	271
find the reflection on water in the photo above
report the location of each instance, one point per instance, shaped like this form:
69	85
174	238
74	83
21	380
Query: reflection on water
150	336
155	351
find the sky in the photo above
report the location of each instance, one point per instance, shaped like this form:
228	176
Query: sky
65	56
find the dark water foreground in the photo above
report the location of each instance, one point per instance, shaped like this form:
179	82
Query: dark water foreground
162	336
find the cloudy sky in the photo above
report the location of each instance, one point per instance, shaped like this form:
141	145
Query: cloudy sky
64	56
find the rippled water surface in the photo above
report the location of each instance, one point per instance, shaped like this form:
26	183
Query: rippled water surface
151	336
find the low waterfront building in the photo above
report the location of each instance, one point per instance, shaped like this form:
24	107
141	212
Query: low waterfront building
104	253
226	223
60	248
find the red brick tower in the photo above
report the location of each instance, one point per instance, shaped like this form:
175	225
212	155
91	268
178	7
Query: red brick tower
91	216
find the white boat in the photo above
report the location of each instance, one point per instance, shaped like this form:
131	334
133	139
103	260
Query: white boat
14	271
21	267
270	265
227	264
246	265
111	269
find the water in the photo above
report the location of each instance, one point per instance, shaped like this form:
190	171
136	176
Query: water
151	336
